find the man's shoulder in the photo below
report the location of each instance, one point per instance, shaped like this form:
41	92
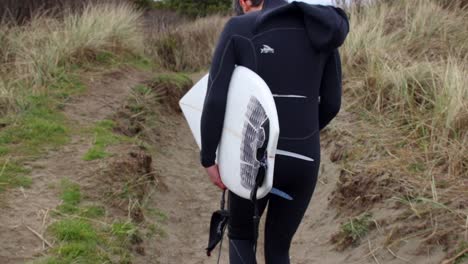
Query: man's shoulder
243	24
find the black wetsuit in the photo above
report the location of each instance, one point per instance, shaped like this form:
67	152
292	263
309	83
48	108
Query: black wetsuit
293	47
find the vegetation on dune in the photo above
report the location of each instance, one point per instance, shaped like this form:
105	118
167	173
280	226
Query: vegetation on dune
353	231
171	83
39	123
187	47
82	235
171	87
103	137
39	126
21	11
405	66
190	8
71	196
36	55
12	174
82	232
40	64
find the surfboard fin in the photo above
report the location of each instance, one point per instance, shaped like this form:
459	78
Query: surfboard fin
281	194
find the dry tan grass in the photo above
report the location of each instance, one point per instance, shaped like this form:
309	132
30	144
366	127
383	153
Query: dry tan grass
21	11
187	47
31	55
406	78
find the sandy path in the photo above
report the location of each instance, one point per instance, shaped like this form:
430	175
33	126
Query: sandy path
188	199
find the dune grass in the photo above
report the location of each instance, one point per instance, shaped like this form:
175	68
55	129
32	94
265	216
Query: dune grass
407	61
34	55
41	63
187	47
406	78
353	231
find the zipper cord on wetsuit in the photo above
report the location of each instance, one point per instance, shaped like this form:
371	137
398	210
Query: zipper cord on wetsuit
223	205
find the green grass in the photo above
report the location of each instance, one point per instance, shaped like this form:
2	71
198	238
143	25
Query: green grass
357	227
93	211
79	238
140	62
78	252
74	230
67	83
106	57
3	151
71	197
78	242
142	89
96	152
103	137
124	230
71	192
39	127
13	175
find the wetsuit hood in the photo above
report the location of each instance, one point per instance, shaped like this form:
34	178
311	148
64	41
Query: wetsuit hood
327	26
269	4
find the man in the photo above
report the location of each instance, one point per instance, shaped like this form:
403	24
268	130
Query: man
293	47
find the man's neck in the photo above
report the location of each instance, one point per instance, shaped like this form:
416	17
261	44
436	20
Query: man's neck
257	8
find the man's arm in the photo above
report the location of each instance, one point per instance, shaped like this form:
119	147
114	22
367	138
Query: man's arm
216	97
330	90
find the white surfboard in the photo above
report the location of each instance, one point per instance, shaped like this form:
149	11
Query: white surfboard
250	122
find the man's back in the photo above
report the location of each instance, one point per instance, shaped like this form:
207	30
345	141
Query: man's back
293	48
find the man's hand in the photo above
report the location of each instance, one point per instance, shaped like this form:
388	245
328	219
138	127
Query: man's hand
215	178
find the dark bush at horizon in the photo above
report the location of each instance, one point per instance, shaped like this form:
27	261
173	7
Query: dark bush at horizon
21	11
193	8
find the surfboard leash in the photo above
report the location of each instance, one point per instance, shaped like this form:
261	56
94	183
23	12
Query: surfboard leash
256	219
223	206
253	197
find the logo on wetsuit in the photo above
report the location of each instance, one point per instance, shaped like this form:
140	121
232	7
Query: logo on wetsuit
267	49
